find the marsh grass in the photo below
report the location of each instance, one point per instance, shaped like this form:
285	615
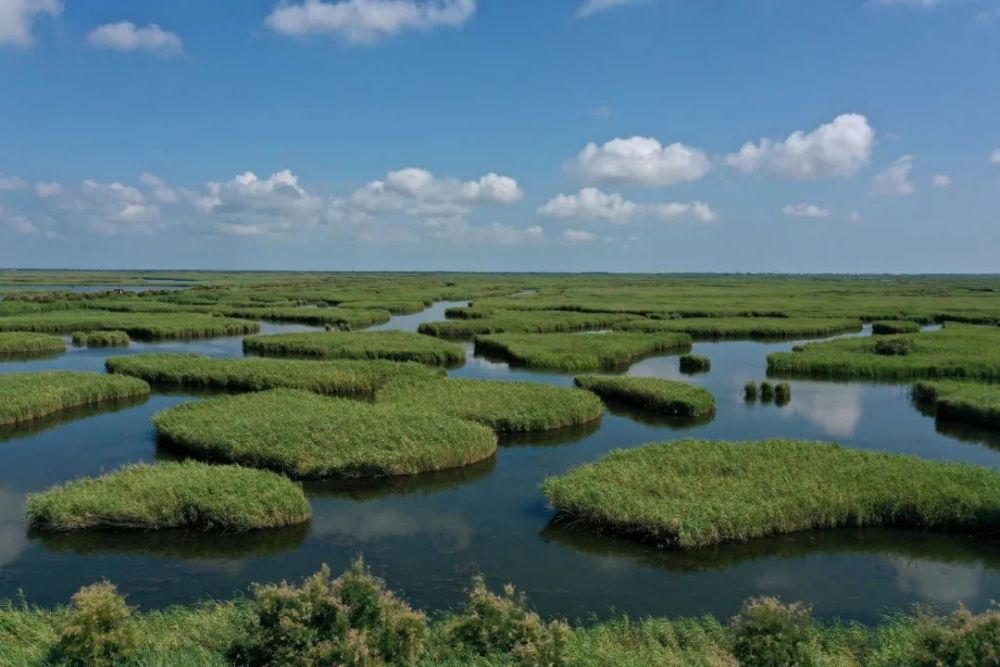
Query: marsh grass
666	396
574	352
187	494
692	363
474	323
506	407
339	318
694	493
26	345
308	436
393	345
888	327
141	326
100	339
967	402
341	377
753	328
27	396
750	391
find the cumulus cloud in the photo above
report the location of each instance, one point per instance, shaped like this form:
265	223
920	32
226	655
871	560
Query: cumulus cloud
10	182
158	188
26	227
46	189
368	21
576	237
941	180
593	204
113	207
17	16
895	180
498	234
839	148
126	36
641	161
591	7
804	210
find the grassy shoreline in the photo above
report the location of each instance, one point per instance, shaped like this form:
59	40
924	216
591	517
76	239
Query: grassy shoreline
28	396
580	352
664	396
391	345
17	344
968	402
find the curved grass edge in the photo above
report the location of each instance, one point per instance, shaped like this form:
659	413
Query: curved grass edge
669	397
43	393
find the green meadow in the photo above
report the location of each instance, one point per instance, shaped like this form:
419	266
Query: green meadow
653	394
27	396
20	344
580	352
394	345
969	402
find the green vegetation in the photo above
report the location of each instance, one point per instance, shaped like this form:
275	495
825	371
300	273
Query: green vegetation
26	396
666	396
693	493
580	352
395	345
342	377
750	390
513	321
895	327
142	326
172	495
100	339
314	437
693	363
503	406
962	401
956	351
339	318
100	630
764	328
18	344
782	393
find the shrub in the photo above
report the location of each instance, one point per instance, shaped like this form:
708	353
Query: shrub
692	363
768	633
897	346
100	339
100	629
963	640
750	390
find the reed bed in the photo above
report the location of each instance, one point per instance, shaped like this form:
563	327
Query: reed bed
693	363
693	493
958	351
578	352
506	407
968	402
27	344
888	327
27	396
340	318
393	345
653	394
341	377
171	495
100	339
514	321
753	328
307	436
142	326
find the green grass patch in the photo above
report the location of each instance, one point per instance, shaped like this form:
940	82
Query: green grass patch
172	495
26	344
507	407
968	402
762	328
580	352
956	351
142	326
884	327
27	396
340	377
100	339
394	345
666	396
474	323
314	437
693	493
340	318
693	363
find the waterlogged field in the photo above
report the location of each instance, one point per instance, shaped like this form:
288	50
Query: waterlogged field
429	533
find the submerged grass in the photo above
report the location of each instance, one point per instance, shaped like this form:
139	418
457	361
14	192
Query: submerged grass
394	345
26	396
27	344
956	351
715	328
503	406
172	495
143	326
666	396
341	377
968	402
314	437
576	352
693	493
100	339
471	322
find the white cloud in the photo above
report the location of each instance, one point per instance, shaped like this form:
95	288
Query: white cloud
497	234
804	210
16	17
368	21
10	182
158	187
642	161
591	7
839	148
698	210
895	180
941	180
113	207
593	204
576	237
126	36
995	156
45	189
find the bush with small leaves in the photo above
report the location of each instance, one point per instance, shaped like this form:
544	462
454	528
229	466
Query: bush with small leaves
768	633
503	624
962	640
100	629
895	346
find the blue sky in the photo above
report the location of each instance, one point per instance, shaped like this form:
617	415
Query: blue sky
581	135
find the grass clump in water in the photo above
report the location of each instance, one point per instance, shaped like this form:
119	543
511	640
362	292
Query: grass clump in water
100	339
693	493
693	363
750	390
666	396
888	327
503	406
968	402
172	495
26	344
577	352
27	396
314	437
341	377
394	345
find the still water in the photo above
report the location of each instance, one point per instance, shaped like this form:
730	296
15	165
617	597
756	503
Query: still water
427	535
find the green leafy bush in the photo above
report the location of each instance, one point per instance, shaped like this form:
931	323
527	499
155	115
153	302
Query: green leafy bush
963	640
896	346
768	633
100	629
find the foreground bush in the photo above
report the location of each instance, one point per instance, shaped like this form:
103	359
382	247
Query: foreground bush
968	402
693	493
21	344
313	437
171	495
395	345
769	633
26	396
666	396
580	352
100	339
100	630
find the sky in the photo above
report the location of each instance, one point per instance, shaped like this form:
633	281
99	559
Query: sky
486	135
